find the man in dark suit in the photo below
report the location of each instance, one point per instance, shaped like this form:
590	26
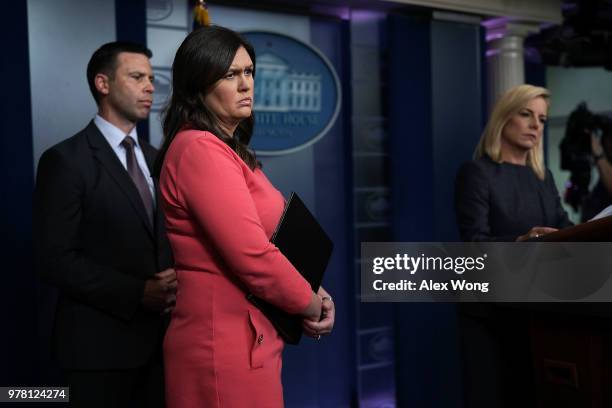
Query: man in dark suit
99	237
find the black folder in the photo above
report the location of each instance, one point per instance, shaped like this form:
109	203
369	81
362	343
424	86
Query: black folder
306	245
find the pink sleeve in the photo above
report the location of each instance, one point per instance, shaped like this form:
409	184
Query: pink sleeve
211	183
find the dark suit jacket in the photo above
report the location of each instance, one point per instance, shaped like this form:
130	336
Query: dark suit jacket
501	201
93	241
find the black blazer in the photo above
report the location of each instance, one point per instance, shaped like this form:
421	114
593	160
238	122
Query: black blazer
93	241
501	201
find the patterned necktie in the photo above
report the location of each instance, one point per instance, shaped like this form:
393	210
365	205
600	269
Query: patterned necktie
137	176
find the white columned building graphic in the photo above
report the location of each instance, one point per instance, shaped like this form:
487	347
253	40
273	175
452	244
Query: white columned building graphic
280	90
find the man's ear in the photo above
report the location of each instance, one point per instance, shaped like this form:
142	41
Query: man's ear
102	83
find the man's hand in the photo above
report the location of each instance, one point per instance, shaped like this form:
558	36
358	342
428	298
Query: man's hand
596	147
160	292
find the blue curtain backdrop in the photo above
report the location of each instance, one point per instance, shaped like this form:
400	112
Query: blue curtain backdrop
18	339
322	374
435	121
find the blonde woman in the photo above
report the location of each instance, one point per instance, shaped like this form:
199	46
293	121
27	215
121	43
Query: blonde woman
506	193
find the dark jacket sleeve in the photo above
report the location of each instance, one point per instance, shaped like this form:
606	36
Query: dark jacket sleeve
58	253
561	218
472	204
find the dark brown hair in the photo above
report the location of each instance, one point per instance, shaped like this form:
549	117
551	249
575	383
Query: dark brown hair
203	58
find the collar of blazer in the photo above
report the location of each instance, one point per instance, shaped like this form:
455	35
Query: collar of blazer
103	152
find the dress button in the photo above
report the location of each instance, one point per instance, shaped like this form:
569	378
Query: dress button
260	339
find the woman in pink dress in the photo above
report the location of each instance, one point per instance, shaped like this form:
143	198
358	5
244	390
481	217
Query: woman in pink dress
220	350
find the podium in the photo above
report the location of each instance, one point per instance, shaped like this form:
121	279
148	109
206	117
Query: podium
593	231
572	343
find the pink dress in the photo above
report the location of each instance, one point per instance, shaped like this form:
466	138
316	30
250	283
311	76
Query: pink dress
220	350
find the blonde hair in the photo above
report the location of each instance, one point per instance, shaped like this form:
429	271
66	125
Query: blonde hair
508	105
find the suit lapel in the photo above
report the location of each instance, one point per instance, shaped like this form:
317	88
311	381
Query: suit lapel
103	152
